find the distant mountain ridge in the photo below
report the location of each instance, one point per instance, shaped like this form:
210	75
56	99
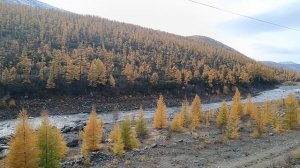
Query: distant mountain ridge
31	3
288	65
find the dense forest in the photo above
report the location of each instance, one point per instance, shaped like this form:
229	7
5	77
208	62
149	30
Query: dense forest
61	52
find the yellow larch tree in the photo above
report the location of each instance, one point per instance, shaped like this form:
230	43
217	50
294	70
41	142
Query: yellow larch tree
119	146
259	121
24	151
176	125
236	101
154	79
233	124
248	105
160	115
128	137
97	73
51	144
141	125
92	133
267	116
291	112
115	132
222	117
185	115
197	115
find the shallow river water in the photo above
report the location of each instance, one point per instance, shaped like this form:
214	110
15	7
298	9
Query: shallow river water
7	126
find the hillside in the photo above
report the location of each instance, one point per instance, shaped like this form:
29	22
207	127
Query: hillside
44	50
31	3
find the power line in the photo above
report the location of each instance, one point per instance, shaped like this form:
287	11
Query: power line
245	16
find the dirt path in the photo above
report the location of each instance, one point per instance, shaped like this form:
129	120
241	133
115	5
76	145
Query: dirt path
274	156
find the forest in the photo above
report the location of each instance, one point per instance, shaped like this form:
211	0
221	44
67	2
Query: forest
47	51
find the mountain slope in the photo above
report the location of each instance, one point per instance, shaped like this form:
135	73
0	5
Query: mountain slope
31	3
67	52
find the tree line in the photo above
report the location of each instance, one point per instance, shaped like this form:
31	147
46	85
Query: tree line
60	51
47	148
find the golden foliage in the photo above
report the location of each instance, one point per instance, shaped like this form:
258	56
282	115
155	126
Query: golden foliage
248	106
160	115
128	137
291	112
197	114
233	124
141	125
92	133
115	133
222	117
177	123
24	151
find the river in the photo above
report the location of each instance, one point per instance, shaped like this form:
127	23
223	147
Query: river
7	126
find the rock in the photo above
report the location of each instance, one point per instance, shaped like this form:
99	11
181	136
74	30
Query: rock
72	162
3	153
4	140
66	129
3	147
153	145
73	143
181	140
77	128
271	134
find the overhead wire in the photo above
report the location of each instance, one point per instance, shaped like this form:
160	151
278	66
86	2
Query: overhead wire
245	16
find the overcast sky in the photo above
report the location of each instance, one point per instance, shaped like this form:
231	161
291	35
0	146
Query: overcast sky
256	40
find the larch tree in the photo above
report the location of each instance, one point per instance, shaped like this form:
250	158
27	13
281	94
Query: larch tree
176	125
128	138
197	115
259	122
267	115
92	133
248	105
222	117
160	115
115	132
97	73
185	115
291	112
236	101
141	125
154	78
118	147
51	144
24	151
25	66
233	124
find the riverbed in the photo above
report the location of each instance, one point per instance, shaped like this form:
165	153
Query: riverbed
7	126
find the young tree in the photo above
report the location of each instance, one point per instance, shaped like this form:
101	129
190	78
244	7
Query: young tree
222	117
197	114
154	78
185	115
92	133
141	125
115	133
51	144
291	112
177	123
267	116
24	151
236	101
119	146
259	121
233	124
248	105
97	73
160	115
127	136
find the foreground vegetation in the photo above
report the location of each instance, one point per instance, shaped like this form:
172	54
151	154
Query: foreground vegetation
47	148
70	53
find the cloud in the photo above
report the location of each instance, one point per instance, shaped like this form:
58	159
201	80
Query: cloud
285	15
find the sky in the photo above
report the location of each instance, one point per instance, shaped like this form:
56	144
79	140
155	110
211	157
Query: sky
260	41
